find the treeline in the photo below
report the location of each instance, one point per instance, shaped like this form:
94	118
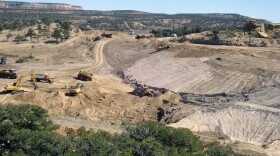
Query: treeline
186	31
26	130
178	32
23	23
62	30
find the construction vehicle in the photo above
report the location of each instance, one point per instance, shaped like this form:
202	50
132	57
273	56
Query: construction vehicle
44	78
106	35
74	90
84	76
4	60
162	46
15	87
9	74
144	91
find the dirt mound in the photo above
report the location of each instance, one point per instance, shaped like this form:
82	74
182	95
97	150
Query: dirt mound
96	102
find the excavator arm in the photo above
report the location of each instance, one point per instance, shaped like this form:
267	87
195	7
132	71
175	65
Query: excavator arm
16	86
34	82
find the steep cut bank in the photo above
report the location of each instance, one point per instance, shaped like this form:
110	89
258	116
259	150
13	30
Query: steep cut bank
244	122
27	5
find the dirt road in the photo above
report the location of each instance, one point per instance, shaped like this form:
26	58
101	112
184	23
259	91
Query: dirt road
98	51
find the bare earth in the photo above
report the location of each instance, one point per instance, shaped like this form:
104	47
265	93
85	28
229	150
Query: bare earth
233	91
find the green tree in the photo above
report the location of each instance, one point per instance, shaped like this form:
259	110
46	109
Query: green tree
19	38
8	36
249	27
26	130
32	22
57	34
66	33
30	33
215	36
26	116
214	149
66	25
198	29
46	21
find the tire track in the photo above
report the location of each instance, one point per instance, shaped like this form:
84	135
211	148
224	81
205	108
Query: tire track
99	56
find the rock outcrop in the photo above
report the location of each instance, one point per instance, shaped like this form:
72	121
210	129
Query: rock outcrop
27	5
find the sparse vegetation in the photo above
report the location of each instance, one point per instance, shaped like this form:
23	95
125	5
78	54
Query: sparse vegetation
19	38
30	33
249	27
178	32
57	34
8	36
25	130
121	20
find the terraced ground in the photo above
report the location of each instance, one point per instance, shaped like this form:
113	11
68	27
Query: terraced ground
236	90
201	75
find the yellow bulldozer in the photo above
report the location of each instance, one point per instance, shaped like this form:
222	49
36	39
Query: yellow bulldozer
15	87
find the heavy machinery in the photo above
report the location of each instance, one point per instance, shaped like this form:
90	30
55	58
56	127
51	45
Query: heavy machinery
15	87
162	46
144	91
44	78
9	74
74	90
106	35
84	76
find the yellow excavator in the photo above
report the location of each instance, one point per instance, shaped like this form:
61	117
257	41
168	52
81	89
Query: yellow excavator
15	87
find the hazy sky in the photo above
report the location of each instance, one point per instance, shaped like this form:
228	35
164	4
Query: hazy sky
265	9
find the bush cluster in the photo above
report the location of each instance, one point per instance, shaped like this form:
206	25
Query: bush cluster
26	130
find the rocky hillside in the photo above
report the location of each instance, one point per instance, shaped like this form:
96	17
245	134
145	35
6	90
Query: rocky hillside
27	5
20	12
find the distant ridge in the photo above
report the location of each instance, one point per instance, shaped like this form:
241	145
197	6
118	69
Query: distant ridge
19	12
31	5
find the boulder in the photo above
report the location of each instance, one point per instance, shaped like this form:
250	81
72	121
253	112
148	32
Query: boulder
262	34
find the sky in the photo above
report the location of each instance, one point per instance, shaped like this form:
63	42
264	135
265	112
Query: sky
263	9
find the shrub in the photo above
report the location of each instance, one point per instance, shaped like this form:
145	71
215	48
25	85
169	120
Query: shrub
25	130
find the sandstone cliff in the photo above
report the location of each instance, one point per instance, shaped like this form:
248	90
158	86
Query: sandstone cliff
27	5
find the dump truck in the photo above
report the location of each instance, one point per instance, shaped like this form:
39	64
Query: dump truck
8	74
44	78
106	35
15	87
144	91
74	90
84	76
